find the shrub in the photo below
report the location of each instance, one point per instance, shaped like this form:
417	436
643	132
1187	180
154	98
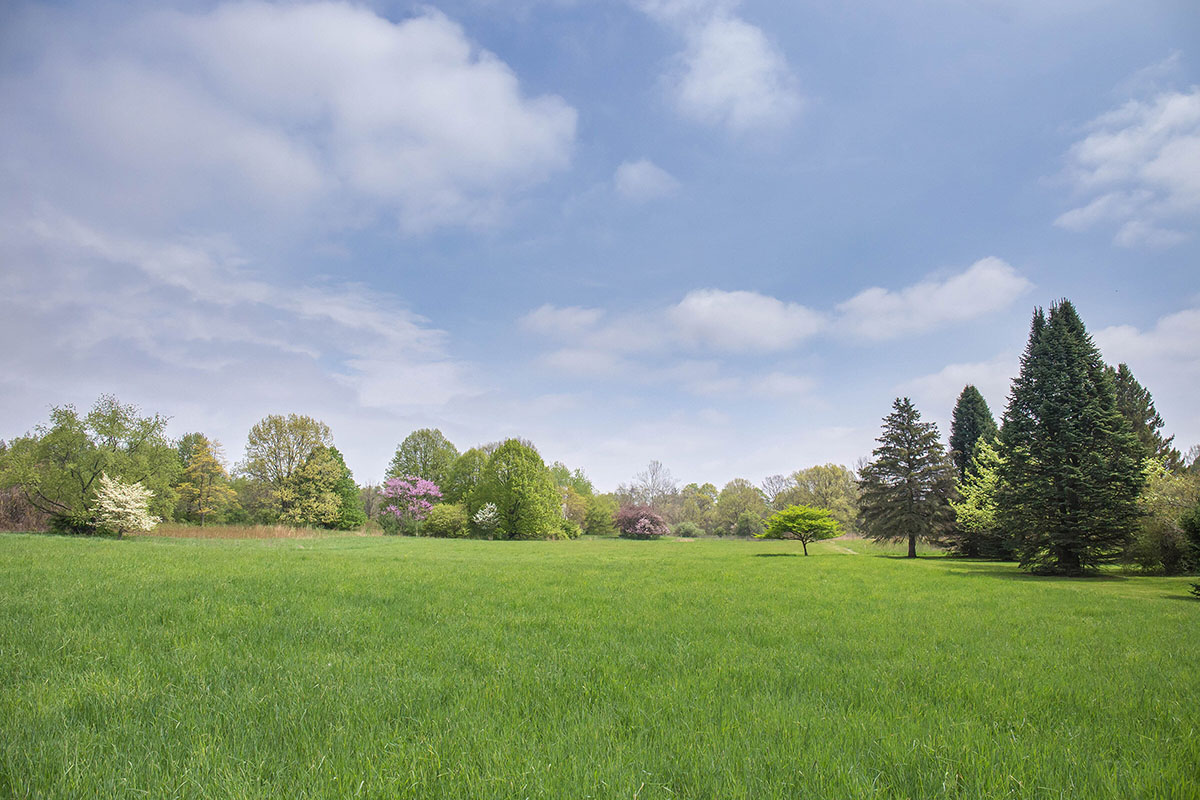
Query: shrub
124	506
641	522
748	524
569	529
486	520
688	530
447	521
1190	524
78	523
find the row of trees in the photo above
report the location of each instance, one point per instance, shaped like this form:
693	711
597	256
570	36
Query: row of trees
1077	475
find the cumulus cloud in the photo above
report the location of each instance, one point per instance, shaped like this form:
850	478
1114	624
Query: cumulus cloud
988	285
1138	170
643	180
730	74
741	321
936	393
280	109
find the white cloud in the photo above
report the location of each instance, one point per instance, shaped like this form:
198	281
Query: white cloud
318	109
643	180
729	74
937	393
555	321
741	321
1139	170
988	285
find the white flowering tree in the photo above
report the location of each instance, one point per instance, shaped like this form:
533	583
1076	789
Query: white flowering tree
487	519
123	507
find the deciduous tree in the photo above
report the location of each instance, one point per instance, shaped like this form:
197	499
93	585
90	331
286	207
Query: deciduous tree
424	453
205	488
123	507
517	482
805	524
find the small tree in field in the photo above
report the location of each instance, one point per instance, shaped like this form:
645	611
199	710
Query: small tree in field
487	519
641	522
409	499
803	523
123	507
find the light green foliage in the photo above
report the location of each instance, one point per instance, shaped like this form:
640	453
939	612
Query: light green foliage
805	524
828	486
446	670
697	504
446	521
906	488
204	489
977	529
574	504
687	530
277	445
571	479
123	507
322	493
1161	542
517	482
738	497
424	453
464	475
58	466
600	516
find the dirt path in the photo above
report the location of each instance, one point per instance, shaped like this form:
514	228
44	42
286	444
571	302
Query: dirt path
844	549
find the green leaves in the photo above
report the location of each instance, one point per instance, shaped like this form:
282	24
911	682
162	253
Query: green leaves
803	523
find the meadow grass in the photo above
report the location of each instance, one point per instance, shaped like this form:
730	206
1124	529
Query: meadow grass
395	667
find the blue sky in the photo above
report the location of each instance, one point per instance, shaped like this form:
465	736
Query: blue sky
724	235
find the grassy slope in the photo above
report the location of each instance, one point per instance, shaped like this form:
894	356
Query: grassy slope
399	667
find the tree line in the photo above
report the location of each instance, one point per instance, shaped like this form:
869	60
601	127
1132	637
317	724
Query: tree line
1077	475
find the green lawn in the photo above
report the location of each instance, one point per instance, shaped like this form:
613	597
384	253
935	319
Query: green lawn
380	667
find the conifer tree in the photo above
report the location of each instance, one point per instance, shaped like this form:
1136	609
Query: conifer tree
976	531
1137	406
906	488
1071	468
972	420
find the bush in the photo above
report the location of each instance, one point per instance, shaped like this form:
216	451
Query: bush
641	522
447	521
568	529
78	523
688	530
1189	523
748	524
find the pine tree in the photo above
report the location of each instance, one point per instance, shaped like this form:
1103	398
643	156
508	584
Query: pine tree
1137	406
972	420
1071	468
906	488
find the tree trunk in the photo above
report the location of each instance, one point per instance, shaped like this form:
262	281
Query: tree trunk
805	545
912	545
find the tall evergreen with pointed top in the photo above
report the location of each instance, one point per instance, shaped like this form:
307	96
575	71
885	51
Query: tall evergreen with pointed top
906	489
972	420
1071	468
1137	406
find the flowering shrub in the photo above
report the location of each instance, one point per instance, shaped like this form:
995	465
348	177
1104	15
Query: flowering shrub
122	507
407	500
487	519
641	522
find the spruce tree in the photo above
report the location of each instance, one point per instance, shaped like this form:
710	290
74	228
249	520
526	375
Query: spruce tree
906	488
1137	406
1071	468
972	420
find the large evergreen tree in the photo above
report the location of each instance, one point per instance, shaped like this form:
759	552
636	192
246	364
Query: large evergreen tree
1071	468
905	490
972	420
1137	406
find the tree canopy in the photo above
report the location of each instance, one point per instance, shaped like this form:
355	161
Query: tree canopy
424	453
971	422
802	523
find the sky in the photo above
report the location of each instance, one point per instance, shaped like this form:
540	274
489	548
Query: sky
722	235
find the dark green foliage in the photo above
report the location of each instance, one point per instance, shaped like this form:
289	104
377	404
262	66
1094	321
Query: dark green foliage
687	530
518	483
1137	406
1189	523
1071	469
424	453
972	420
600	516
353	515
78	523
748	524
805	524
907	487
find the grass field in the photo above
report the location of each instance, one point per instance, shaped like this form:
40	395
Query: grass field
380	667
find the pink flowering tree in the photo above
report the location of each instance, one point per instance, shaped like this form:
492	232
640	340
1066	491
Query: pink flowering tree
407	501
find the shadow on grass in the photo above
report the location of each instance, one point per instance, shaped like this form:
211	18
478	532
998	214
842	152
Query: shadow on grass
1009	571
776	555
